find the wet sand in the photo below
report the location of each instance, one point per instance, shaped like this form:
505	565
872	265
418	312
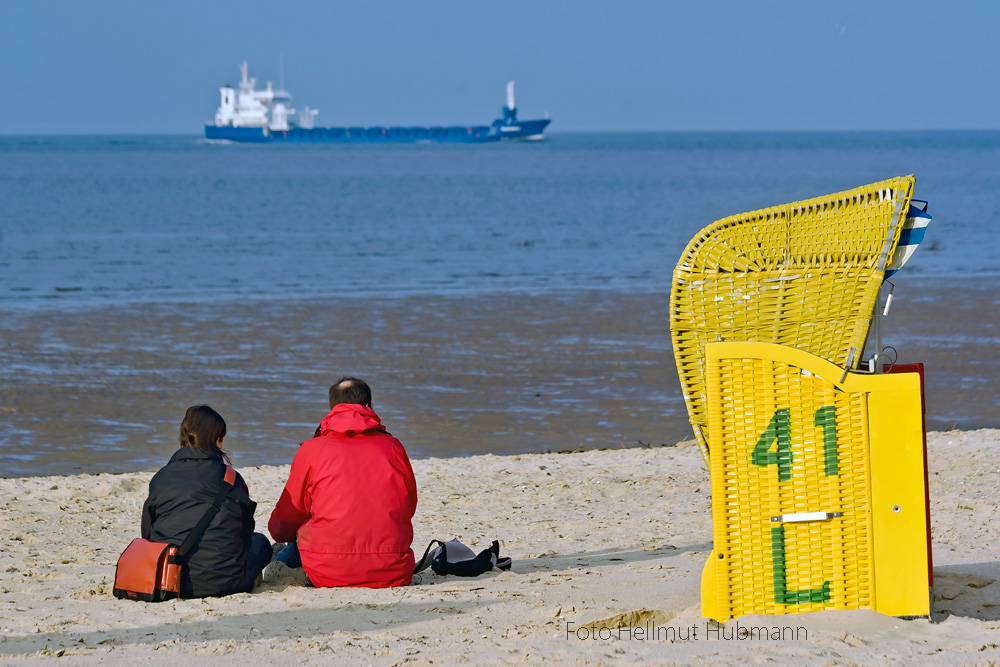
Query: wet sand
103	389
597	538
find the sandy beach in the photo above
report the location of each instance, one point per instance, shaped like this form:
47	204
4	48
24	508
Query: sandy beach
597	538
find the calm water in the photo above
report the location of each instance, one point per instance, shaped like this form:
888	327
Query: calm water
92	220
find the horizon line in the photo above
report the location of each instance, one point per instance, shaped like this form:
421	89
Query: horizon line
155	133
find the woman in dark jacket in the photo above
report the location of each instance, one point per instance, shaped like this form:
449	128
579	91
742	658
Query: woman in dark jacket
229	556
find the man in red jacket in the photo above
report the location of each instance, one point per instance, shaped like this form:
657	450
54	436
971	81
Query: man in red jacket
350	498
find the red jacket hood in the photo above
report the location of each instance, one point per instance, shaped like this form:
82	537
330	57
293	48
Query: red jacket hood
349	419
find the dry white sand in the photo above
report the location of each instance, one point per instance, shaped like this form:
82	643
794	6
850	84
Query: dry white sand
595	536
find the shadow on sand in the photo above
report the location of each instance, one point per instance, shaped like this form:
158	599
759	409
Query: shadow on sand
550	562
969	590
295	623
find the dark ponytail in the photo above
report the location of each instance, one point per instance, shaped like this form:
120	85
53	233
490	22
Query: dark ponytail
202	428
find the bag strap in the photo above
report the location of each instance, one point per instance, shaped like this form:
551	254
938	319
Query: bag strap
425	562
228	480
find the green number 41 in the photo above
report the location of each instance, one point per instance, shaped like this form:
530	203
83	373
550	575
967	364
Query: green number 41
779	434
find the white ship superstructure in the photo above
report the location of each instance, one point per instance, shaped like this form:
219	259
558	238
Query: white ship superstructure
249	107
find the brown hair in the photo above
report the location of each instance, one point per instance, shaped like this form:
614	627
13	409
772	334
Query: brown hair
350	390
202	428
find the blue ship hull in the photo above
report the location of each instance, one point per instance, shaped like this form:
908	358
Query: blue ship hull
524	129
530	129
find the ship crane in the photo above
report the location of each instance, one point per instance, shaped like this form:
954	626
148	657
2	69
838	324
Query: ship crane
307	118
510	111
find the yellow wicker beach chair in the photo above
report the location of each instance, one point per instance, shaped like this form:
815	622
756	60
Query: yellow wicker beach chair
819	496
806	275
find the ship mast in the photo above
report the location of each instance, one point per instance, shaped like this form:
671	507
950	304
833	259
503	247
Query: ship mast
510	95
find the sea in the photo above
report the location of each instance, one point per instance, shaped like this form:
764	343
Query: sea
115	220
98	222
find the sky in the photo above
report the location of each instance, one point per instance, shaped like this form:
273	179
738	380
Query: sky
110	66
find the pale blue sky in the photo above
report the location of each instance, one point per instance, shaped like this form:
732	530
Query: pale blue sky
126	66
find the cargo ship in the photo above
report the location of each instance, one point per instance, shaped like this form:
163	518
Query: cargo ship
267	116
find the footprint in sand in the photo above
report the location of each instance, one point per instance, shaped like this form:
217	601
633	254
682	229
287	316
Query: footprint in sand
637	618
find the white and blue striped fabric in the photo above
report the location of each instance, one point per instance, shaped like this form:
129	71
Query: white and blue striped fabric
914	227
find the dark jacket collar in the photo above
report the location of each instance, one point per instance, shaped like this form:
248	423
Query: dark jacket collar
194	453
